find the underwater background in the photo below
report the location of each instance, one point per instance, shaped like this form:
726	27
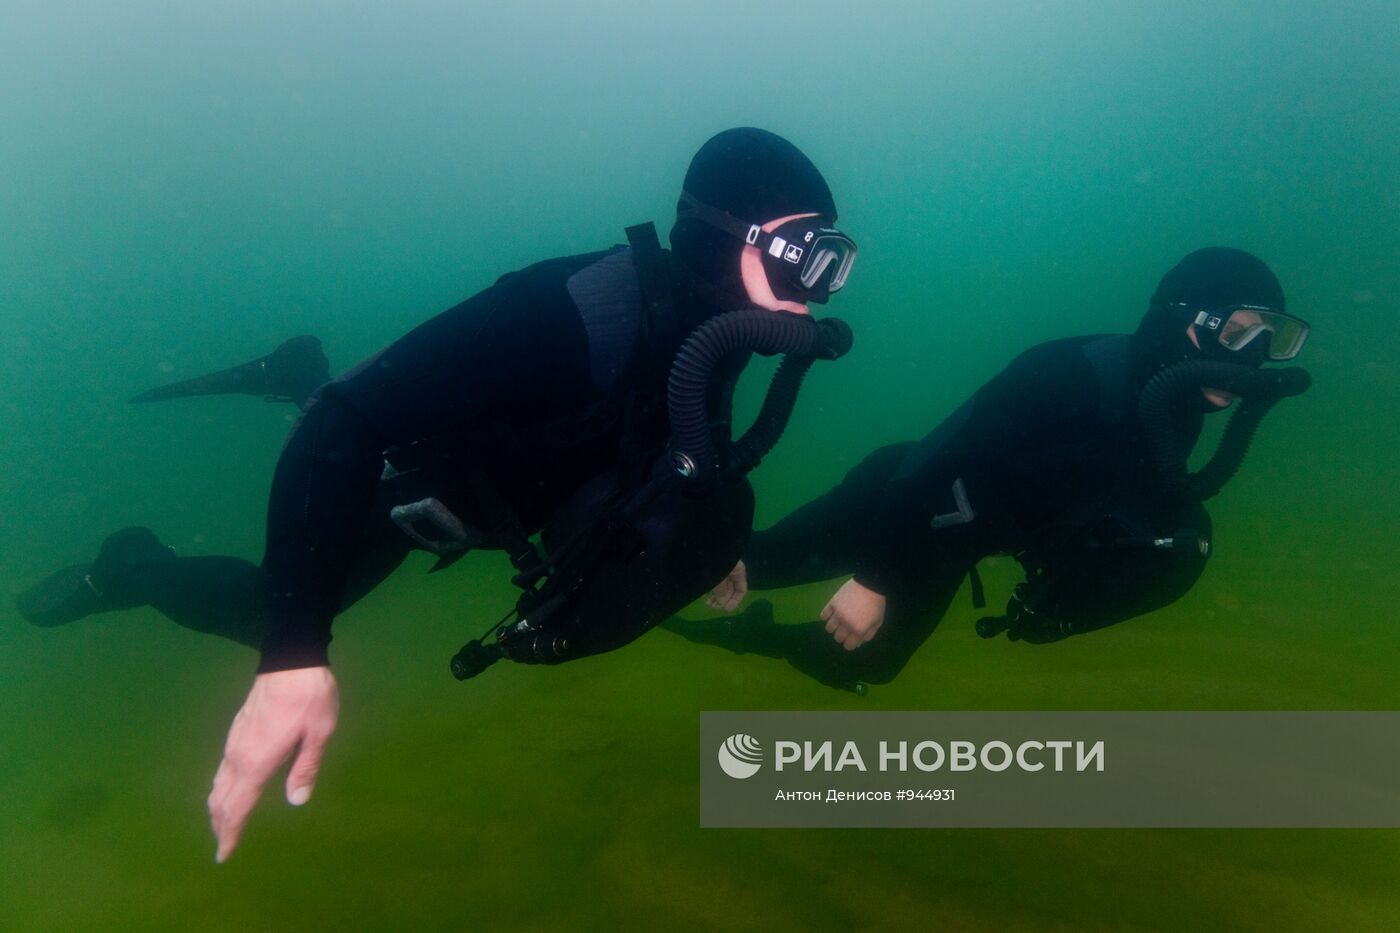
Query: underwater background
183	186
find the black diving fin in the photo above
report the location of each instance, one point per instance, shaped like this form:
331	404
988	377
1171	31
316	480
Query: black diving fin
288	374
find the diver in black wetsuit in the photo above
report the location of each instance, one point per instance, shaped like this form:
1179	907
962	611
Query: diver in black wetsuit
554	402
1072	459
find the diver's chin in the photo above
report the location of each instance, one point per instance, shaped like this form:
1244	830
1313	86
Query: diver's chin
1218	398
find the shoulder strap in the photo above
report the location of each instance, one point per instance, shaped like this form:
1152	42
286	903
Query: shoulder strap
1111	360
658	339
659	323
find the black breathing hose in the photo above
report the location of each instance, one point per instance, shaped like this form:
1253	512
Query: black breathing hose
801	340
758	441
1260	390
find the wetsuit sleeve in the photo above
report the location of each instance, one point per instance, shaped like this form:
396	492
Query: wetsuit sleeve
516	350
1045	395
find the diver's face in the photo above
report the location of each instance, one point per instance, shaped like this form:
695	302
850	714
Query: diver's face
760	290
1217	397
1238	323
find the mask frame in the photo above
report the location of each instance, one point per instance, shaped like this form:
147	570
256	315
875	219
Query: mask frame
803	252
1237	326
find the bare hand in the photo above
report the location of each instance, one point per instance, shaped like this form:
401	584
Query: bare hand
854	615
285	711
731	590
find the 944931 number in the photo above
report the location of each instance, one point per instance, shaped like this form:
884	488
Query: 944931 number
935	794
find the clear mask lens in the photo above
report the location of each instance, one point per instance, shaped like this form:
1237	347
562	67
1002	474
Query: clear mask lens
1285	334
1238	327
830	252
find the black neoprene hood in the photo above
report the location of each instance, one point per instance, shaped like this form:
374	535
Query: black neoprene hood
1208	279
756	176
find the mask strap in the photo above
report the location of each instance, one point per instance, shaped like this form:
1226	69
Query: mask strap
752	234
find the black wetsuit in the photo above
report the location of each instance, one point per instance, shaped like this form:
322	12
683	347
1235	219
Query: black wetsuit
1046	462
543	385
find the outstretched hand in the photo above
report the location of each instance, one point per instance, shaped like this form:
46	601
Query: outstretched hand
286	712
854	614
730	591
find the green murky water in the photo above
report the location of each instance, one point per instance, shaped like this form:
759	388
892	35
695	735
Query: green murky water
183	186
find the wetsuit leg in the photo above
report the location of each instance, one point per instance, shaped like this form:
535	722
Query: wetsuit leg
216	595
826	537
225	596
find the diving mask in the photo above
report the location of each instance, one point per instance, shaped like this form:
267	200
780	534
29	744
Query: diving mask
802	252
1236	326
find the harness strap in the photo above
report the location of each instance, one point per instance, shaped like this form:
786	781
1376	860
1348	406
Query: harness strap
505	528
651	361
654	278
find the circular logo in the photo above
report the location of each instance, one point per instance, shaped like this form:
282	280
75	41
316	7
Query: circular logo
741	756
